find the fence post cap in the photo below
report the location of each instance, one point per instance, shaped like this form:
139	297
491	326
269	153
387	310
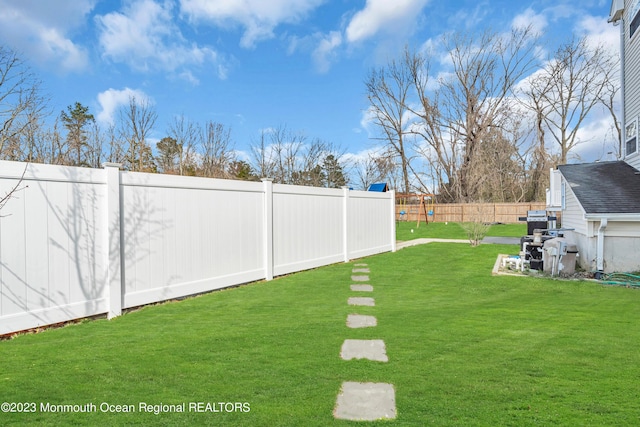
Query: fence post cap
112	165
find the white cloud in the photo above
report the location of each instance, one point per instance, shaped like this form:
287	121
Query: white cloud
596	138
363	155
258	17
325	52
368	121
323	48
562	11
242	155
529	18
599	31
112	99
470	17
144	36
41	30
384	16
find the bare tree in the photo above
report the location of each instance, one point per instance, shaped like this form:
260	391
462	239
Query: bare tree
497	174
457	114
576	79
540	159
95	145
216	150
472	100
186	135
116	150
25	144
438	147
262	157
277	155
58	146
21	102
137	120
288	157
388	90
608	101
374	168
287	147
11	193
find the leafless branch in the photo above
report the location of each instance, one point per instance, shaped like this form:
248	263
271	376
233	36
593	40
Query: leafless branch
11	193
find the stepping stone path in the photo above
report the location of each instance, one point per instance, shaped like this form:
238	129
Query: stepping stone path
364	349
362	288
364	401
361	321
362	301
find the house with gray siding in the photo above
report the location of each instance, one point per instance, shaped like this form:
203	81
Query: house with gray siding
600	202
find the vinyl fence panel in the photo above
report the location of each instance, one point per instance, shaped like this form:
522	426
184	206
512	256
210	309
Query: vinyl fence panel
307	227
371	224
78	242
52	250
188	235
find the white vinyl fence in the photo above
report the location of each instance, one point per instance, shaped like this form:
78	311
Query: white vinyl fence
78	242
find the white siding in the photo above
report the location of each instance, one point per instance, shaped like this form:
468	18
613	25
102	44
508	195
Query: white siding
573	214
554	195
573	217
632	77
621	254
621	246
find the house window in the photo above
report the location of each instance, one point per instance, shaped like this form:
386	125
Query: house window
634	24
635	17
631	137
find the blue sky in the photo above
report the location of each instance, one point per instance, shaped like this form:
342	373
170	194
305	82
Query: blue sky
258	64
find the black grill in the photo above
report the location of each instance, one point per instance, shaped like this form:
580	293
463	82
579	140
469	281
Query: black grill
536	220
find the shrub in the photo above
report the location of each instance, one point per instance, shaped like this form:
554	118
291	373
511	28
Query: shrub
476	231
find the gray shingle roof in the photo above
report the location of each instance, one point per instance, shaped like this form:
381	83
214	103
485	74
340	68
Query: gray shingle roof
605	187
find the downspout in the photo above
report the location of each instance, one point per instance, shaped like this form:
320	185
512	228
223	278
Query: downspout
600	246
623	119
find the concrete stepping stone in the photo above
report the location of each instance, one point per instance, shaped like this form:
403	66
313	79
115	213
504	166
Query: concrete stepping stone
361	321
362	288
365	402
360	270
360	265
368	301
364	349
360	278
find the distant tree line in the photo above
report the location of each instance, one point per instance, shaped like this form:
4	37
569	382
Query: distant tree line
489	129
189	148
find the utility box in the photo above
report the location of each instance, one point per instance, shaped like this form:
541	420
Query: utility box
559	256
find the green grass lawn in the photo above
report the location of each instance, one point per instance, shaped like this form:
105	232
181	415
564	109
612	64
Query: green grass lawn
452	230
508	230
465	349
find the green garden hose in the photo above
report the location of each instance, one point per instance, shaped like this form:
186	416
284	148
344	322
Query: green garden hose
623	279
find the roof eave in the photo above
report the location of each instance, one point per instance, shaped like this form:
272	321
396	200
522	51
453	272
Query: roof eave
613	216
617	9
